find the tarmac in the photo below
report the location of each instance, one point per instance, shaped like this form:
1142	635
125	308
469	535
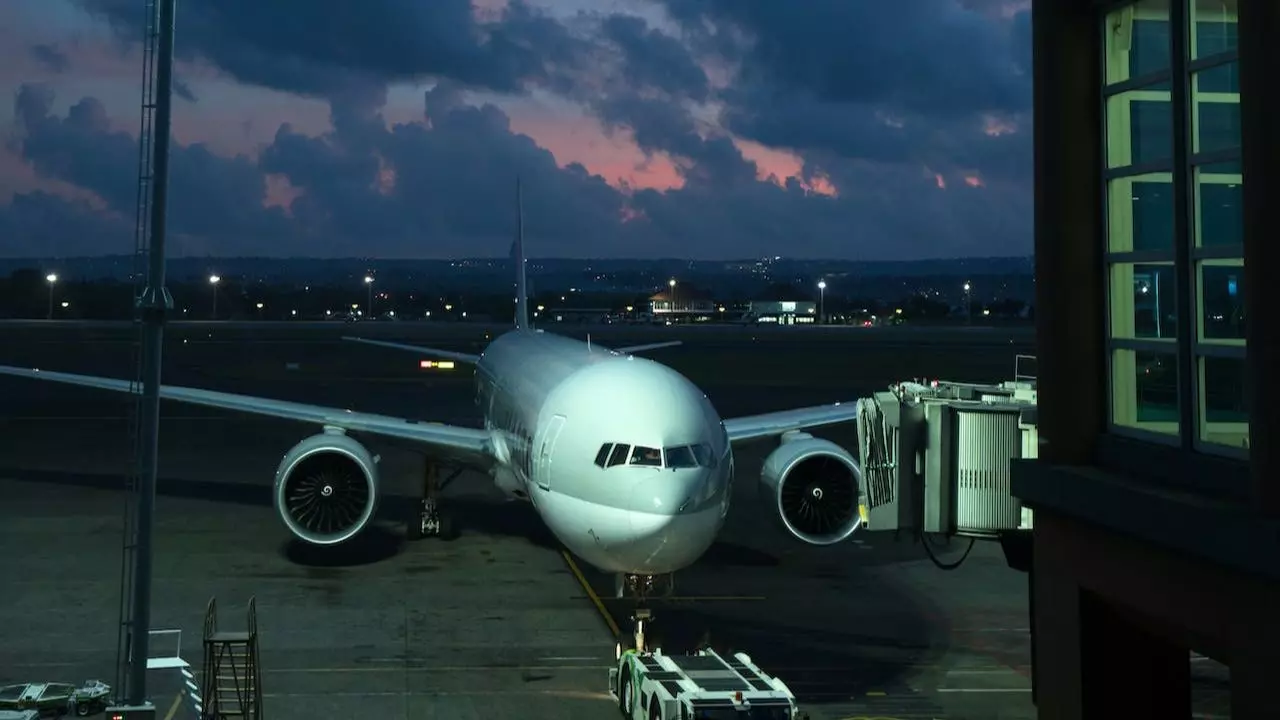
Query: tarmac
500	622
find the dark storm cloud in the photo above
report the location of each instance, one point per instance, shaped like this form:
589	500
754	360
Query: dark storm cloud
210	195
183	90
322	47
51	57
443	189
653	59
908	82
877	97
47	224
927	56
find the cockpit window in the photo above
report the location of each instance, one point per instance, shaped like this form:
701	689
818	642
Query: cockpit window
681	457
689	456
677	456
619	454
603	456
646	456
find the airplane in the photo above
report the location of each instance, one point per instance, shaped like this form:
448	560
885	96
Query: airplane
624	459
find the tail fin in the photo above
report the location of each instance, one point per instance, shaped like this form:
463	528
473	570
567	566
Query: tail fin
517	254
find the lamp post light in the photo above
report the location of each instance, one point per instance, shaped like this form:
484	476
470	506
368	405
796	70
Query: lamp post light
214	280
822	302
672	284
52	279
368	302
968	303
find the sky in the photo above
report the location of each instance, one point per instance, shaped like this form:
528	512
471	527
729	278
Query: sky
699	129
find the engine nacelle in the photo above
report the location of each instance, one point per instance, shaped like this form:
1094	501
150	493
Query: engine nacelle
816	486
326	488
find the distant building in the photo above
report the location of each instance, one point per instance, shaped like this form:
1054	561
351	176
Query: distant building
682	301
782	304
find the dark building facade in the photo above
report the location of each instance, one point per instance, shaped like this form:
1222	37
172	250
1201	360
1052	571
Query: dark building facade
1157	151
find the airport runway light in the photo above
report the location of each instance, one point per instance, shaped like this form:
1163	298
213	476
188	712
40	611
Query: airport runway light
213	281
368	303
52	279
822	302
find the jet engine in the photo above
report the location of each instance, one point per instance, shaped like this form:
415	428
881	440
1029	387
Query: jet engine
816	485
326	488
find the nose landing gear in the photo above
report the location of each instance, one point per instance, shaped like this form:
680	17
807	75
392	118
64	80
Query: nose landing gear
644	586
430	519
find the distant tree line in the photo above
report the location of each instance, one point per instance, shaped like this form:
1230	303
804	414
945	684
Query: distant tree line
27	293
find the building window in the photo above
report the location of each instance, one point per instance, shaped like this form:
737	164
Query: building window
1153	265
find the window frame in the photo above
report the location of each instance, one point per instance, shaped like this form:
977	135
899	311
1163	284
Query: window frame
1186	254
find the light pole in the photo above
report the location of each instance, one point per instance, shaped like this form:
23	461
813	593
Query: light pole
672	284
968	304
214	280
822	302
52	279
368	303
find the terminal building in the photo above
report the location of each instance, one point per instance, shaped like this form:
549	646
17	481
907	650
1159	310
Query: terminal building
1156	500
681	301
783	304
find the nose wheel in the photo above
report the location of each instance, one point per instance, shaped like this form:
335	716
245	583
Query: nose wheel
643	587
429	519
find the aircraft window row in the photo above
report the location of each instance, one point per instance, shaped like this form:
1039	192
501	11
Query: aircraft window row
679	456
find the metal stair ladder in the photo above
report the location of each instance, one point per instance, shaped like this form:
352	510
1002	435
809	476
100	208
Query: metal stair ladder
232	678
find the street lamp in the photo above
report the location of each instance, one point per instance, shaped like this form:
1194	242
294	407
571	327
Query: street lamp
214	280
822	302
368	303
52	279
672	284
968	303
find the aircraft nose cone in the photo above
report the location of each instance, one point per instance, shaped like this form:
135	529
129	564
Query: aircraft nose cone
674	519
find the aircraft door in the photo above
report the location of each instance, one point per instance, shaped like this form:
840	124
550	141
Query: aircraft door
542	473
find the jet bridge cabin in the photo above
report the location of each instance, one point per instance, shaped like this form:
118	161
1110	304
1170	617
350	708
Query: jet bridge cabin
701	686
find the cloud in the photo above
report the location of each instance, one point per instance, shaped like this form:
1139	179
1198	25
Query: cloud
51	57
912	119
327	47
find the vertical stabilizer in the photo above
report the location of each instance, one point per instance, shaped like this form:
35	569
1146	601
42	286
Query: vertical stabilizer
517	254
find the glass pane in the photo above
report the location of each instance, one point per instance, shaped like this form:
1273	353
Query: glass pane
681	457
1224	398
1142	301
1137	40
619	455
1222	79
1222	306
1139	128
1219	213
1144	390
647	456
1217	124
1215	23
1140	213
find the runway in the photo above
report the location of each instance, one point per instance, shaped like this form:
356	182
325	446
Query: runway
498	623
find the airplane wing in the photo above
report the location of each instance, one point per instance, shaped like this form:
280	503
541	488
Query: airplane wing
448	354
631	349
468	445
773	424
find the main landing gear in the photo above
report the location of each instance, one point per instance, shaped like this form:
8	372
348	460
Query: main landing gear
429	519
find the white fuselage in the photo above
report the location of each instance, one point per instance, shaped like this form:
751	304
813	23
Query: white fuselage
625	460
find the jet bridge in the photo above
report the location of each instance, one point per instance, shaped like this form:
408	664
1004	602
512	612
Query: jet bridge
936	457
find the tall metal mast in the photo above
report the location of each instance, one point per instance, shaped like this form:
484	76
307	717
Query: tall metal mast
154	302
